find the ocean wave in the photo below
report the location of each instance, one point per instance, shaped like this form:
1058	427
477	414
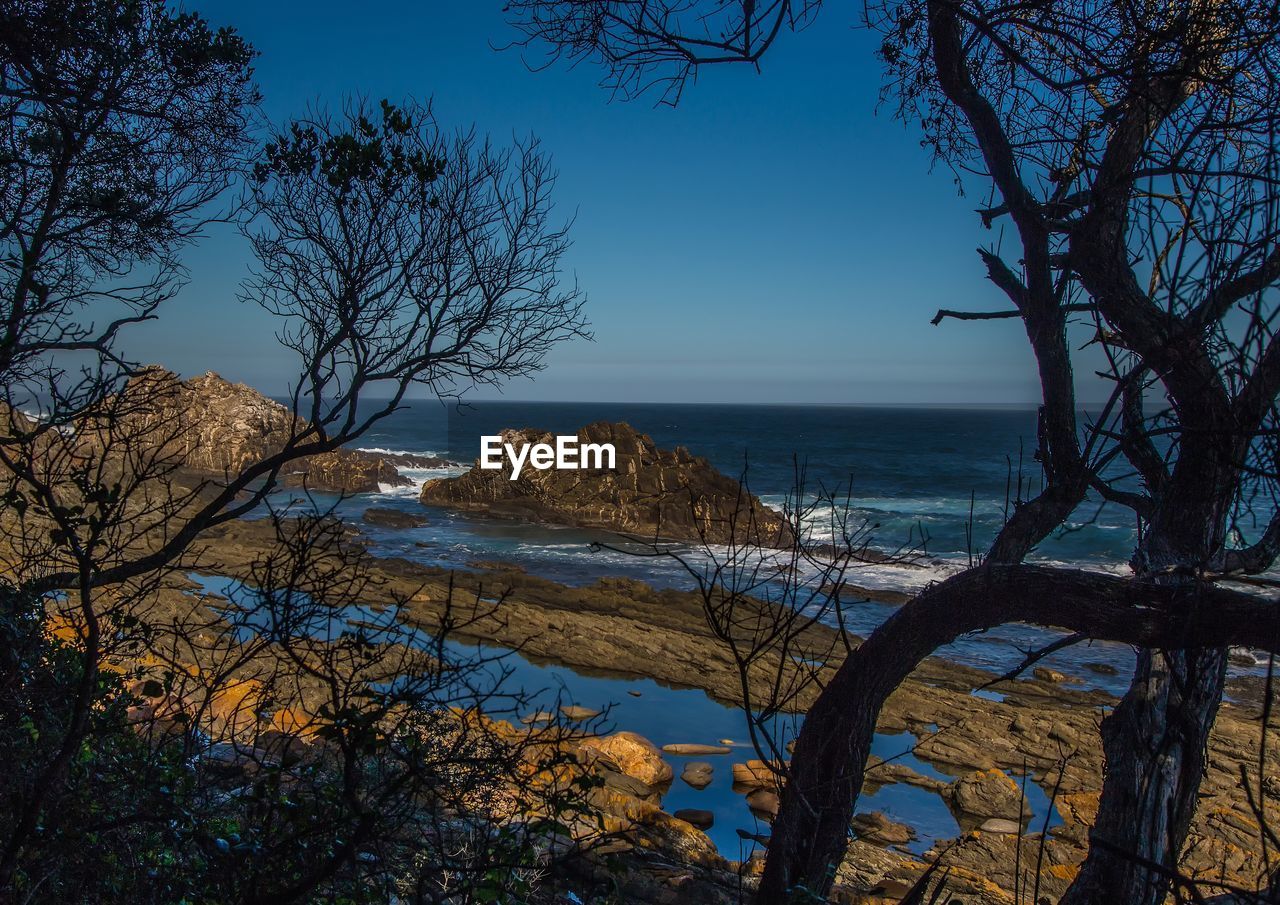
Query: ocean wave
382	451
419	477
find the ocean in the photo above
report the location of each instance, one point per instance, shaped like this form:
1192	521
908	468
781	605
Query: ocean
923	476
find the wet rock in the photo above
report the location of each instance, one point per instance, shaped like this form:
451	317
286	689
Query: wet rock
393	518
692	750
987	793
754	774
881	772
651	492
1102	669
876	828
577	714
697	774
703	820
1044	674
632	754
629	785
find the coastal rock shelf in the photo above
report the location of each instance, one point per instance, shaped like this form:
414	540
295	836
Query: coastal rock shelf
211	428
652	493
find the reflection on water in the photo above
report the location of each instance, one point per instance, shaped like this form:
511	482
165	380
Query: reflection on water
666	716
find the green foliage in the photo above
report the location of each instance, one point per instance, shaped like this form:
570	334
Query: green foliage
386	152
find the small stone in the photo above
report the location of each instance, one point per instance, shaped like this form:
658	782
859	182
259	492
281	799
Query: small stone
1044	674
574	712
697	774
694	750
1000	825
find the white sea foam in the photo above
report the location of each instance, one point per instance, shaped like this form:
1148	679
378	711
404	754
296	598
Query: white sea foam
418	477
381	451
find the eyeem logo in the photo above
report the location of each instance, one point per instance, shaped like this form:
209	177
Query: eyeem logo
567	453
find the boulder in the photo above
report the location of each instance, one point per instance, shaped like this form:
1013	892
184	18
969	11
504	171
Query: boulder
754	774
987	793
703	820
697	774
345	471
876	828
632	754
1045	674
650	492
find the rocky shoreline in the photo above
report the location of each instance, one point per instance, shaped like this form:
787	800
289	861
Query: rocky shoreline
1035	724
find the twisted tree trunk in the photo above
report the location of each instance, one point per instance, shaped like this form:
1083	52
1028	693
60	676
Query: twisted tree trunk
1155	743
825	778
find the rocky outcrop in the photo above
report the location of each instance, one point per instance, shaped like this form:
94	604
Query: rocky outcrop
212	428
651	492
345	471
392	518
987	793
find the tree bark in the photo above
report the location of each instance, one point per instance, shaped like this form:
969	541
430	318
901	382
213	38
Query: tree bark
1155	744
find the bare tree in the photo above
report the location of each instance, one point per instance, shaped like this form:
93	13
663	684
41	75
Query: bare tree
396	255
1132	149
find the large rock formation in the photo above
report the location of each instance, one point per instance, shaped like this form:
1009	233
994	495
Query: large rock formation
211	427
651	492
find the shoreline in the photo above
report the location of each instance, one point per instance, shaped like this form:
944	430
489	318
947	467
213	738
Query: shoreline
1040	726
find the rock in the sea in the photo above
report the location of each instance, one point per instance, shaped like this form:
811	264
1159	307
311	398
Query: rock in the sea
987	793
213	428
697	773
393	518
754	774
703	820
1044	674
632	754
694	750
576	713
650	492
876	828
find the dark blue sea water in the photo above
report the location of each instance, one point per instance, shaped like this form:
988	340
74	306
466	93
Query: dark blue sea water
918	473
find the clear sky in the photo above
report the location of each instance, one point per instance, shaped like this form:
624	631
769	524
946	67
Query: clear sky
774	238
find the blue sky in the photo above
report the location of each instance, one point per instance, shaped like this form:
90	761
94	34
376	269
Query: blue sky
773	238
